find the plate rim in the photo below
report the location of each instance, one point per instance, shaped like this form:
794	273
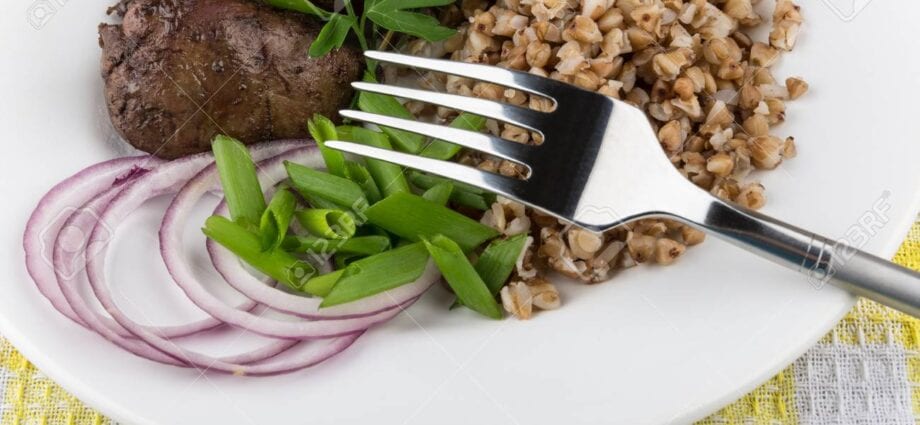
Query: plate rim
104	404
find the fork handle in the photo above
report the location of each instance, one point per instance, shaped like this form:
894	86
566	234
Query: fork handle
819	258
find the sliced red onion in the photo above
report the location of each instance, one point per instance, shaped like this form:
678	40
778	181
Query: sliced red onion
62	201
339	328
70	280
171	240
233	271
86	220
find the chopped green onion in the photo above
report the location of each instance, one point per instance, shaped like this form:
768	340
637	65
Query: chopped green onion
317	184
462	277
322	285
412	217
322	203
498	260
471	200
389	177
378	273
329	224
440	193
363	245
239	181
359	174
427	181
388	105
246	245
463	195
322	129
277	218
439	149
342	260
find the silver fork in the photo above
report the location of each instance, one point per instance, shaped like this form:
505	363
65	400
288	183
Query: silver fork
601	166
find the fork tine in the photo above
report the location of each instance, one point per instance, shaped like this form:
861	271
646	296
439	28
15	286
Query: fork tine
515	79
521	117
495	183
482	142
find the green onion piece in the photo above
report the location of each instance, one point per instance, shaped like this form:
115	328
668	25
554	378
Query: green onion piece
362	245
463	195
462	277
317	184
246	245
498	260
440	193
322	285
471	200
439	149
427	181
342	260
346	132
389	177
239	181
379	273
322	203
412	217
388	105
277	218
322	129
359	174
329	224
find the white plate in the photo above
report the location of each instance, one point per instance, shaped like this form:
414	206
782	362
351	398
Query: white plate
655	345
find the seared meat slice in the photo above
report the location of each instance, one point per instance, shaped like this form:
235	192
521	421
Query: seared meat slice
178	72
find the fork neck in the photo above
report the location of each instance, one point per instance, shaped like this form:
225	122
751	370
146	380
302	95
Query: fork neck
768	237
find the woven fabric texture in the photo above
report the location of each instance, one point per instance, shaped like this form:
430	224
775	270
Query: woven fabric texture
866	371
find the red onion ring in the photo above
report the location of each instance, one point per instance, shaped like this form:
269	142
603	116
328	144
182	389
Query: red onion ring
85	220
49	216
131	198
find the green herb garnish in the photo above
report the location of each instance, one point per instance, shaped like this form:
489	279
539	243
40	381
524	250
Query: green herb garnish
462	195
247	245
388	105
362	245
378	273
276	219
462	277
439	149
439	194
328	224
333	34
323	129
360	175
316	184
497	262
389	177
412	217
239	180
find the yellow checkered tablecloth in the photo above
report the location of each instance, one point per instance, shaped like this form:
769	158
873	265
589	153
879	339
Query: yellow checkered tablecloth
866	371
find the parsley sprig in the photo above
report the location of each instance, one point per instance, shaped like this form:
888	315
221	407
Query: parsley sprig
396	16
